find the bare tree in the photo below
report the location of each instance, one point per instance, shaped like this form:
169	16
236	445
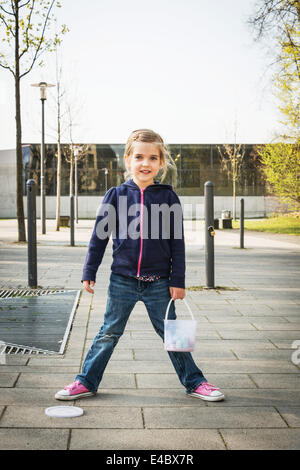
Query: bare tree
232	156
60	113
73	154
279	20
24	25
67	108
274	18
58	173
276	23
64	105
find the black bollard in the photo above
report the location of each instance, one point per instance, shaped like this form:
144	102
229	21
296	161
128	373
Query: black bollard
31	234
242	224
72	220
209	234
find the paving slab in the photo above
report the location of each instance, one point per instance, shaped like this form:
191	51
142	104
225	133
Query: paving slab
140	397
292	318
291	414
8	379
41	361
285	343
60	380
202	353
36	369
235	367
264	355
34	439
28	397
171	380
244	334
289	381
275	325
222	417
217	343
145	439
282	335
66	360
259	397
261	439
134	366
273	312
173	397
93	417
6	359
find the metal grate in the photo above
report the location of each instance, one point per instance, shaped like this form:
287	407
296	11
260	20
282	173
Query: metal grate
9	348
9	293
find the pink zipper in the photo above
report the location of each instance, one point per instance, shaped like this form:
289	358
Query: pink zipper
141	231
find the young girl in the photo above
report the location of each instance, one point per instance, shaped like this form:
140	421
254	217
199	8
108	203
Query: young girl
148	264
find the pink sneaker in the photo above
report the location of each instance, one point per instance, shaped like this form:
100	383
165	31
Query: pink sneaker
207	392
73	391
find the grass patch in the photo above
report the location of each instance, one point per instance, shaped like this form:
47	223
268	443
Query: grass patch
283	224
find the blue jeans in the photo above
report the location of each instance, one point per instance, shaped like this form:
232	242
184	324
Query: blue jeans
123	293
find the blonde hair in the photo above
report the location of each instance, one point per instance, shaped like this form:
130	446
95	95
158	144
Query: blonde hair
147	135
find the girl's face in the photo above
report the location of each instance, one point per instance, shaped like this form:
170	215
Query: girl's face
144	163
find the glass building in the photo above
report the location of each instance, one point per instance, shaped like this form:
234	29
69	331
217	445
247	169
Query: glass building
102	166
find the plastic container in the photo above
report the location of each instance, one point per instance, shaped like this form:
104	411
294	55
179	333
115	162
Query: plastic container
180	335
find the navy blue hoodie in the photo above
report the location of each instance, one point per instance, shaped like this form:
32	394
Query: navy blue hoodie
148	237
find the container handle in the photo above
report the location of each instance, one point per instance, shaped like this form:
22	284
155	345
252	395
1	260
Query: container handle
167	312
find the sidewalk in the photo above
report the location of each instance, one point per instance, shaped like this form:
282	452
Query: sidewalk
244	345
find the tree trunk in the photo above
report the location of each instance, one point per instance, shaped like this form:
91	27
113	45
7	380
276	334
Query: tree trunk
71	174
19	159
234	200
58	183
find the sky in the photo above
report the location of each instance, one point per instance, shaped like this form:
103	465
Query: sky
188	69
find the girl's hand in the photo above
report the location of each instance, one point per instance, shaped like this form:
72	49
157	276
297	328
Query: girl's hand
177	293
87	285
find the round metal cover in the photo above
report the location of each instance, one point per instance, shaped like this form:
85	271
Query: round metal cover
64	411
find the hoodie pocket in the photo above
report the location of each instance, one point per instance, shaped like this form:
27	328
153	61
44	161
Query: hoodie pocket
156	255
117	248
126	254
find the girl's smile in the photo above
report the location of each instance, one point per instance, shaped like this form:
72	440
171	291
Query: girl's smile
145	163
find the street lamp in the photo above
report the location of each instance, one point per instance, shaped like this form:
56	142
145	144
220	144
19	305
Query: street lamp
43	86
